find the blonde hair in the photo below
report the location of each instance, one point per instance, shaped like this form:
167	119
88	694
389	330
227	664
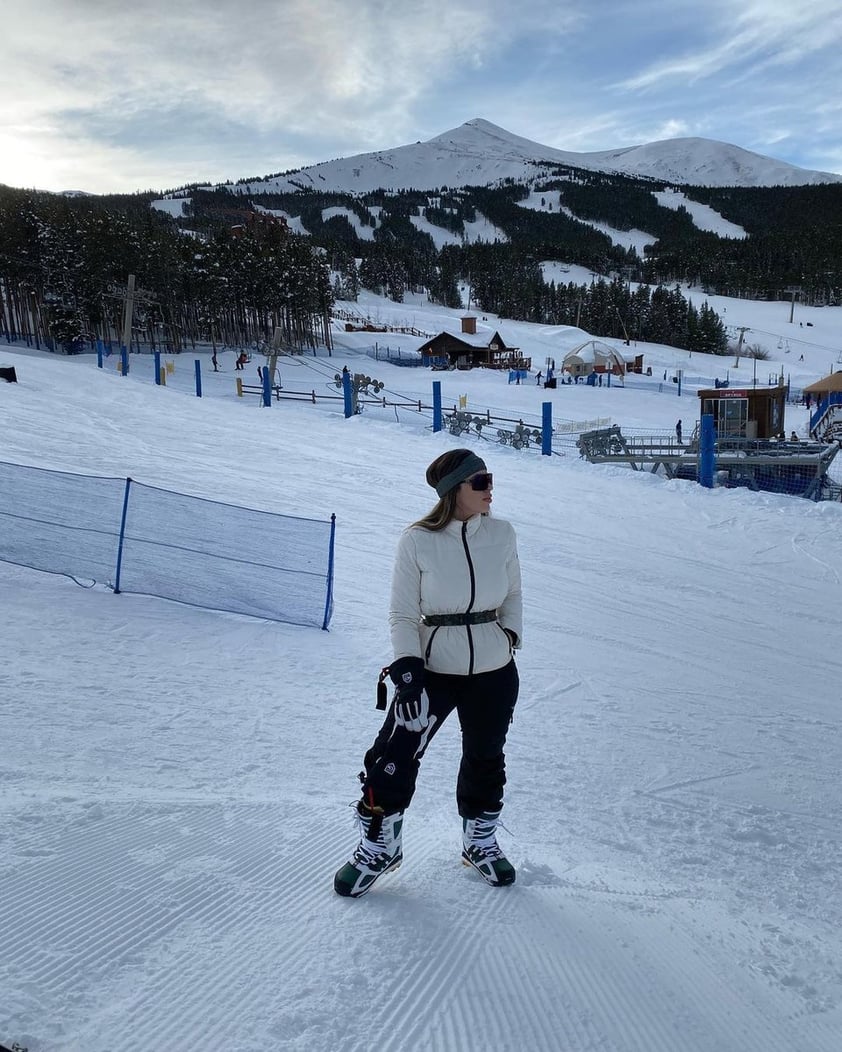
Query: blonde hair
445	508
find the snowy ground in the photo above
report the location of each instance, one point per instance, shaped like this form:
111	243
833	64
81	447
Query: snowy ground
175	782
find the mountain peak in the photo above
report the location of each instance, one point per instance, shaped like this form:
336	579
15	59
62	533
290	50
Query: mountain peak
481	152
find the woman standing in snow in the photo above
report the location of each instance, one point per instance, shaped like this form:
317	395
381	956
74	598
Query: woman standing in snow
456	619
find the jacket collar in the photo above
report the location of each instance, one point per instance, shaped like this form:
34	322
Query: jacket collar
473	524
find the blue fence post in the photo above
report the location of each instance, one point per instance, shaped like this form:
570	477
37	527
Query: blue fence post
547	429
124	361
157	357
347	392
198	364
122	536
680	372
267	387
707	452
609	377
437	423
99	354
329	595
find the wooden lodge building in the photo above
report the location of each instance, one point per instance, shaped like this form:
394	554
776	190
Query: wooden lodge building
470	349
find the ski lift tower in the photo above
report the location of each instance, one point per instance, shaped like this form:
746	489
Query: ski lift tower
793	290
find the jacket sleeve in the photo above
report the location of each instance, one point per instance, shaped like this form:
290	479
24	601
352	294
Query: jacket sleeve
511	612
405	604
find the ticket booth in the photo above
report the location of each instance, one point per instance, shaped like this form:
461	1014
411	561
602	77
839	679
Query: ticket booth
751	412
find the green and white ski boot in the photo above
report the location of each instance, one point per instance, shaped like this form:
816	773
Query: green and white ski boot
481	850
379	851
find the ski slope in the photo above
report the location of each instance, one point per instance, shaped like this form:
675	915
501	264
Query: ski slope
175	782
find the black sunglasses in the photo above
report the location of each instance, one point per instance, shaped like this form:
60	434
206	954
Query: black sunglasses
480	482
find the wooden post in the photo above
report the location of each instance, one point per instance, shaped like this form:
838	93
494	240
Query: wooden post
127	313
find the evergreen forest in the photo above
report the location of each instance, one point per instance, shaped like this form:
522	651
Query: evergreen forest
65	264
228	268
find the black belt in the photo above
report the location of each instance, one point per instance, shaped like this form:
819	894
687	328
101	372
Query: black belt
478	617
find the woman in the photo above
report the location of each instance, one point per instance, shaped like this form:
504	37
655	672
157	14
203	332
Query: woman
456	619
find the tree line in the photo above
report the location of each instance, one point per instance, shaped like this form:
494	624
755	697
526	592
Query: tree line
226	268
65	262
794	234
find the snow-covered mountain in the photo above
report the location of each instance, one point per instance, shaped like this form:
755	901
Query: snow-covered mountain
703	162
479	153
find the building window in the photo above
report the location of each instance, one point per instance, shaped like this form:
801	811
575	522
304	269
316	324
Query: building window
732	418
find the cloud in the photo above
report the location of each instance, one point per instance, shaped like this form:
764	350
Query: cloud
299	61
759	35
157	94
354	71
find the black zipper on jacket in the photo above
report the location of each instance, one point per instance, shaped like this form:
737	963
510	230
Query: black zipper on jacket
473	596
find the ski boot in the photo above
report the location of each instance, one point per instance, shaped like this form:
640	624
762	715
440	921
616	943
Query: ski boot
380	850
481	850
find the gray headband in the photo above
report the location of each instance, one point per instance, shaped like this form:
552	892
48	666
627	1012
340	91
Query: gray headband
469	466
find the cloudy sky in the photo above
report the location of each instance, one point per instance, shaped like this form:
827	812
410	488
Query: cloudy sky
103	96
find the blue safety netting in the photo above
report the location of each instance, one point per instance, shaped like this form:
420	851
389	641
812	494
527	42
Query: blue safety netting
62	523
145	540
225	557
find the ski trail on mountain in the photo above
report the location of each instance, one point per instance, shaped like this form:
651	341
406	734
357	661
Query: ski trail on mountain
185	926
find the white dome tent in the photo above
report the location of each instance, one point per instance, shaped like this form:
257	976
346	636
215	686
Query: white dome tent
594	356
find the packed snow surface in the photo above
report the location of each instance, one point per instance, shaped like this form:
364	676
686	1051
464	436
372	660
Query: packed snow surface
175	783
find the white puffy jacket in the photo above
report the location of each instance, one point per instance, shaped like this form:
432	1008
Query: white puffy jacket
466	567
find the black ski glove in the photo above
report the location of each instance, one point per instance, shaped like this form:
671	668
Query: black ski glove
411	705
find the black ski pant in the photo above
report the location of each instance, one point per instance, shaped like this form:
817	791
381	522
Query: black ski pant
485	706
